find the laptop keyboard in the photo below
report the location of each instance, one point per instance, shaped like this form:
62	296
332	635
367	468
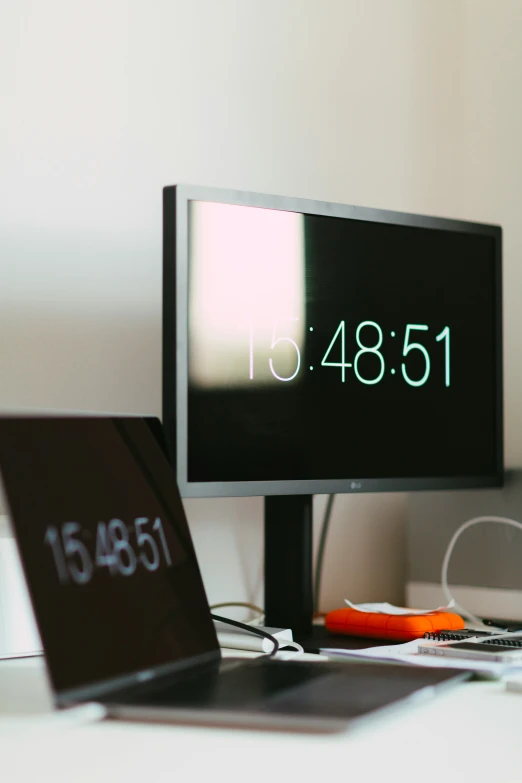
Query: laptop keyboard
340	690
226	686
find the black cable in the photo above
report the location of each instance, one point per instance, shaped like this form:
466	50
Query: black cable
251	629
320	551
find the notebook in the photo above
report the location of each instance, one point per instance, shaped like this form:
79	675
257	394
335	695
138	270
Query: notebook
120	602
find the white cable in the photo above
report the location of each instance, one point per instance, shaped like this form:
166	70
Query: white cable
449	551
257	620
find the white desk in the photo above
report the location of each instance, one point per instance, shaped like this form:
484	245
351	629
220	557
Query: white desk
474	730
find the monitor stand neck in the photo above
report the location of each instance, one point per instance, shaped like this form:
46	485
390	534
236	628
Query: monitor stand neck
288	563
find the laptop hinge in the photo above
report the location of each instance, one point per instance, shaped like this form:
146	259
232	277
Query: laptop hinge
105	689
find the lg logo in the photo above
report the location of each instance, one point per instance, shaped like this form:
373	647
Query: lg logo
356	485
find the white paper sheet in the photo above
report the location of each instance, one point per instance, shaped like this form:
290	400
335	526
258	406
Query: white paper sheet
408	653
386	608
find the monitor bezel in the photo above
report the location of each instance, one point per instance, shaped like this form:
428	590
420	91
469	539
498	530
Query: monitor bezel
176	199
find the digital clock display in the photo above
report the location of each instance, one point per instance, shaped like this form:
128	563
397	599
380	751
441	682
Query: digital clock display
104	541
328	348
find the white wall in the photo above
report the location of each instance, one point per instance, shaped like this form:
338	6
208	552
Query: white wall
410	105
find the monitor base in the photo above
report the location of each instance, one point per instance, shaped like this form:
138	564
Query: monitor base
318	638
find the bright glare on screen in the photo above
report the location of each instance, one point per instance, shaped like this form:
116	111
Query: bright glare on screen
247	292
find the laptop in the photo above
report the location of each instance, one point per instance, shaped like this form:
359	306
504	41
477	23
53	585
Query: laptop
119	599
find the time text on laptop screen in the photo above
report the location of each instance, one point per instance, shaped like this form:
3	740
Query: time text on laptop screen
105	546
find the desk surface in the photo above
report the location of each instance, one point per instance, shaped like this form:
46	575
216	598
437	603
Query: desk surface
473	730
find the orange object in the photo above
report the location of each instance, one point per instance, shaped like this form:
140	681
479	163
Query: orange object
401	628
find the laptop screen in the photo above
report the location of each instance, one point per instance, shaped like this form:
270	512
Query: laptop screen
105	546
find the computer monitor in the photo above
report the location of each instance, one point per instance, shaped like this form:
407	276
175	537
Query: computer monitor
312	347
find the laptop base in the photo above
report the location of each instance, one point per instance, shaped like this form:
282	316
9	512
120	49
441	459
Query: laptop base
270	693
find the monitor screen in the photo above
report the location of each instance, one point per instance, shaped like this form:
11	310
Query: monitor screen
327	348
105	546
